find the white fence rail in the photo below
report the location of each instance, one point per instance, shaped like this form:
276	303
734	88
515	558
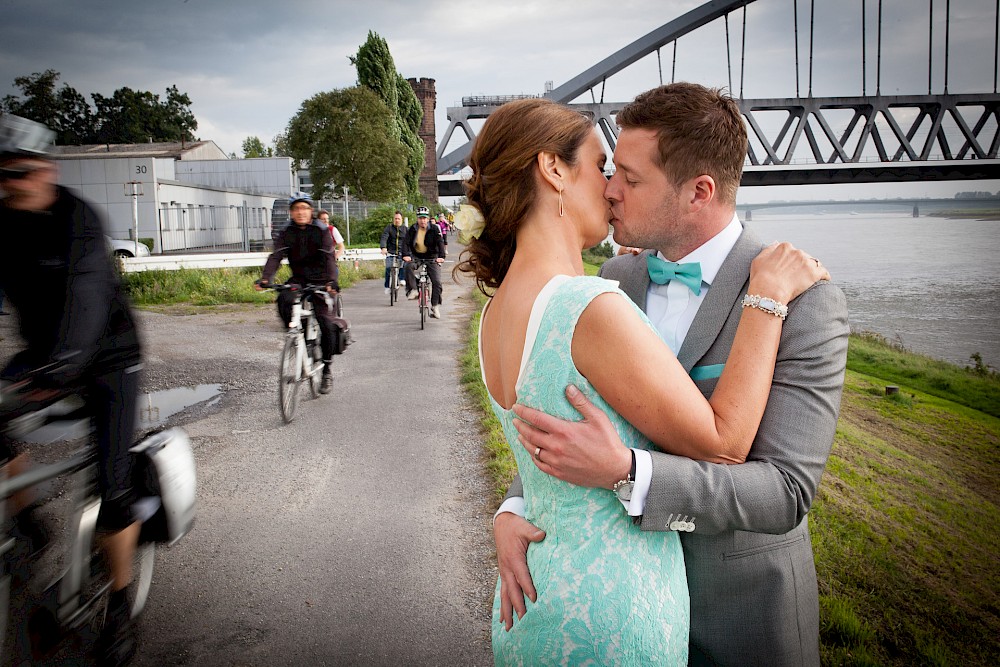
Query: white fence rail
224	260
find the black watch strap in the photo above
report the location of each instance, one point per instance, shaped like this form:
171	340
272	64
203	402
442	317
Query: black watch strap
631	471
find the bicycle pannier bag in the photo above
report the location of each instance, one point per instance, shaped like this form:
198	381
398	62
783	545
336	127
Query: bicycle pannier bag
164	467
341	334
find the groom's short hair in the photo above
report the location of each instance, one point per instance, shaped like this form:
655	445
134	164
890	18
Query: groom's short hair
700	131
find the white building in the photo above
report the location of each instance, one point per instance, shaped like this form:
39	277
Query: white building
186	196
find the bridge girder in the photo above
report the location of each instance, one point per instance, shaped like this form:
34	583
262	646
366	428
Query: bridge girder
643	46
843	158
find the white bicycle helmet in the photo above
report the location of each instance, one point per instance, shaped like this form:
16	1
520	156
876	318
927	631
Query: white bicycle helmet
23	137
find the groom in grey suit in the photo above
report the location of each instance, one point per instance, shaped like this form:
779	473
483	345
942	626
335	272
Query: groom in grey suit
744	528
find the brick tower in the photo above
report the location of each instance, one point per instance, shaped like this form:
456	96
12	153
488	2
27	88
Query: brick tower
424	89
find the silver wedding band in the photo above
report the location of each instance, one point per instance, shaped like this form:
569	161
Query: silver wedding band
538	450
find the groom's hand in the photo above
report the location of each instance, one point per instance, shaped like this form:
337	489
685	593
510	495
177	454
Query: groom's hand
512	535
586	453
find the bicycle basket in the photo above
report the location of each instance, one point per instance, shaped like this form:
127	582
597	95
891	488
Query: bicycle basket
164	468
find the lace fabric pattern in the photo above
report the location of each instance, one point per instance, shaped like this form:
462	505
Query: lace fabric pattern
608	593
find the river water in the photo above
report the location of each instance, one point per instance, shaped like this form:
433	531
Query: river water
932	284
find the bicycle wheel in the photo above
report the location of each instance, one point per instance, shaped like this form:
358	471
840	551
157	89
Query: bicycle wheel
393	285
288	379
311	368
338	305
423	304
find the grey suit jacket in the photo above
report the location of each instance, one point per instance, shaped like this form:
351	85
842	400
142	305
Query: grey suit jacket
749	561
750	567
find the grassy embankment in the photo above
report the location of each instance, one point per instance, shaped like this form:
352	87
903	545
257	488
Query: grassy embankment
968	214
213	287
904	524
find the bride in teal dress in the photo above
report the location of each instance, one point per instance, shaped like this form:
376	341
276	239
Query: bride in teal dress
607	592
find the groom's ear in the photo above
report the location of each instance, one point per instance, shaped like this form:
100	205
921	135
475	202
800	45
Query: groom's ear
551	168
698	192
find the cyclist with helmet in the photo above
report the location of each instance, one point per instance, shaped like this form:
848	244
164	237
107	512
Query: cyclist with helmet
310	253
423	241
80	334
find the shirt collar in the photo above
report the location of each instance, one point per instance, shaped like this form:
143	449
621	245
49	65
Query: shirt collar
713	252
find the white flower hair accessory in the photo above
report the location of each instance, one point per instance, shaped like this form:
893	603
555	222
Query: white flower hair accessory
469	222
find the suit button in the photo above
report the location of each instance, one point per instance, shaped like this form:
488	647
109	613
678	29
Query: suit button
690	527
675	525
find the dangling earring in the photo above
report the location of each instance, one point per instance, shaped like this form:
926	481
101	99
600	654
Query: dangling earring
562	212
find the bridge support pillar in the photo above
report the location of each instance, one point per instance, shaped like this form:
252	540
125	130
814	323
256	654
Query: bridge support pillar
916	211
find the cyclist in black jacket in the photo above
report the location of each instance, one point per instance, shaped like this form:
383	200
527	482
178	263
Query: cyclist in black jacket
310	253
57	271
393	239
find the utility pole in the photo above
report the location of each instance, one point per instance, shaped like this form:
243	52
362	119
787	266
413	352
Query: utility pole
347	217
134	189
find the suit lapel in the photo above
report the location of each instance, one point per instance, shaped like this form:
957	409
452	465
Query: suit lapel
726	290
631	274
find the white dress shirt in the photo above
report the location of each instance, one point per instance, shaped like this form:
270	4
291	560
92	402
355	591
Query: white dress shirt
671	308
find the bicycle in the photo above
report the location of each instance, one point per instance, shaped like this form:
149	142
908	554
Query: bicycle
302	355
423	290
393	265
69	612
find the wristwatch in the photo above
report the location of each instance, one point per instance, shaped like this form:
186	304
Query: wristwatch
623	488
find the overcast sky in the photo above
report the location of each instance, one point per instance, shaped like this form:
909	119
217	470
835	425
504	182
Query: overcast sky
248	65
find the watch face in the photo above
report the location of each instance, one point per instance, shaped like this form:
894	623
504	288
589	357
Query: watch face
767	304
624	491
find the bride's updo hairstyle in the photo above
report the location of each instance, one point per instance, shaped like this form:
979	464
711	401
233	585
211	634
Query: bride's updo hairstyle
502	185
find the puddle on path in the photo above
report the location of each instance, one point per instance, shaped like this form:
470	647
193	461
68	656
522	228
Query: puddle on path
154	409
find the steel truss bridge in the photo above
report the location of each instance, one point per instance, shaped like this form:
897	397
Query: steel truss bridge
821	140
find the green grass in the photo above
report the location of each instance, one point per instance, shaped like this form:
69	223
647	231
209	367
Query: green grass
499	461
213	287
873	354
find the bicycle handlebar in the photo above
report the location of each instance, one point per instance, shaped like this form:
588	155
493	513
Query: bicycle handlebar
294	287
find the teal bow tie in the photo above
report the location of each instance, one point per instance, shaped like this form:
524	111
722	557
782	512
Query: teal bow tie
662	272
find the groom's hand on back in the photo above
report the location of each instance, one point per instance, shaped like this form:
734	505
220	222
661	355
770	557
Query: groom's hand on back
586	453
512	535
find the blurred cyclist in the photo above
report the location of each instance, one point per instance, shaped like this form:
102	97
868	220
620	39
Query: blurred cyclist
423	241
309	249
445	227
56	270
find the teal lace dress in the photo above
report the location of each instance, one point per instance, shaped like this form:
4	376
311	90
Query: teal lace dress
608	593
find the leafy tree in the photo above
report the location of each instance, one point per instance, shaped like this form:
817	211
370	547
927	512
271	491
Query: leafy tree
135	116
75	121
128	116
377	71
177	119
346	136
254	147
65	111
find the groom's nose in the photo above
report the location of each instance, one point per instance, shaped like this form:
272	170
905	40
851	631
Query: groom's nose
613	190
